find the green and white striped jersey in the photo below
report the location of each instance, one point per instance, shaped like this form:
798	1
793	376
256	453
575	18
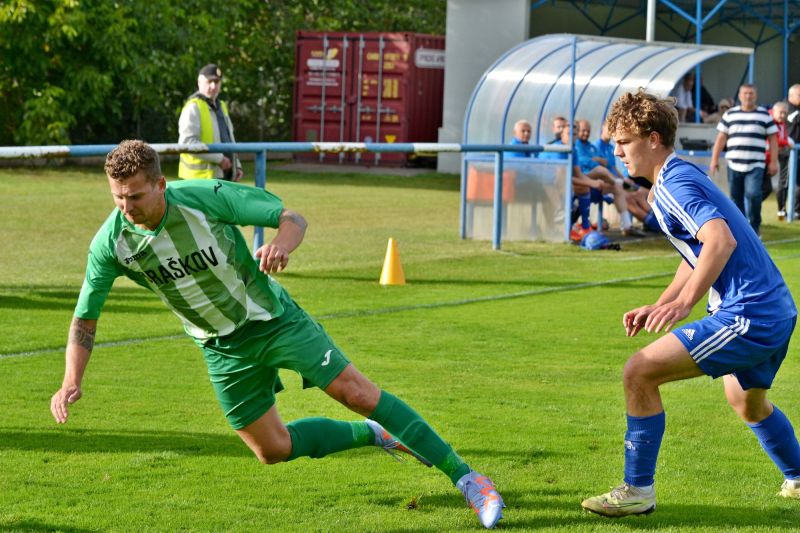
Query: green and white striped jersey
196	261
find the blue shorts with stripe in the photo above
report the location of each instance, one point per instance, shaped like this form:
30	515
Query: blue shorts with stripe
725	343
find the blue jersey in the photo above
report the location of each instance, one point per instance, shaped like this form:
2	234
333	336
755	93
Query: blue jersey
583	152
518	154
606	151
554	155
750	285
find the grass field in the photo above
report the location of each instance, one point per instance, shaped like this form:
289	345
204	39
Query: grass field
514	356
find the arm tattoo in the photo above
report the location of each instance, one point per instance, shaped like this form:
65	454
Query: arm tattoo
82	334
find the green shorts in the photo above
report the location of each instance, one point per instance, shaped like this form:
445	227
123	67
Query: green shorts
243	366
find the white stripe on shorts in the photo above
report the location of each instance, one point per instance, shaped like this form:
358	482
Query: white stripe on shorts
719	339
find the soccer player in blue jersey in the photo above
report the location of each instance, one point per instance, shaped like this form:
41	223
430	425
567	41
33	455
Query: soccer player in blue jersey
182	242
751	317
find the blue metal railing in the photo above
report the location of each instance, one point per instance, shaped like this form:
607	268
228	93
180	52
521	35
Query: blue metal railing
260	150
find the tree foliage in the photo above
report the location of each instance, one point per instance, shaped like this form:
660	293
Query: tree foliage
98	71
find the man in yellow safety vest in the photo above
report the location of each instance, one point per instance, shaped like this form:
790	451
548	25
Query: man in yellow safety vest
204	119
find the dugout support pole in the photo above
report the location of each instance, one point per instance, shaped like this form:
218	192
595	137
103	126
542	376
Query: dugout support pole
497	226
790	207
261	183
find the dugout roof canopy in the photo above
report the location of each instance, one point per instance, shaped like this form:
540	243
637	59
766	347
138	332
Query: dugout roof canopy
541	78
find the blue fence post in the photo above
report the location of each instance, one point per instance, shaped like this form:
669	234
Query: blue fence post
790	207
497	228
463	213
261	183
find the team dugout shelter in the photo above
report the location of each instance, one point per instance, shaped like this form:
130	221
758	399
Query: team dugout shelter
573	76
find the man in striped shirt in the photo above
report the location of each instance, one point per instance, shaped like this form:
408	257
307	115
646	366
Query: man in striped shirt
745	129
182	242
751	317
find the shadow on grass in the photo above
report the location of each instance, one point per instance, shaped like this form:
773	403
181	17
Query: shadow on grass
683	516
92	441
27	525
64	298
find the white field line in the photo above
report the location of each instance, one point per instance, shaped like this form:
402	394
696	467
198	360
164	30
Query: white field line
399	309
373	312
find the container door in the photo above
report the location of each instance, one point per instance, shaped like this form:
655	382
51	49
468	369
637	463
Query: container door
321	92
381	66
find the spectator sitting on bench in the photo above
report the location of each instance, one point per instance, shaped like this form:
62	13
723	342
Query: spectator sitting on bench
584	189
522	135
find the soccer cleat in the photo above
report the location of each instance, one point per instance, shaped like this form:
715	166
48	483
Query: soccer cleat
577	233
391	445
482	496
781	215
622	501
790	489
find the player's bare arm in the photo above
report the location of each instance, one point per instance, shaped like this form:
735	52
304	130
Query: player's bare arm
634	320
773	154
79	348
719	144
275	255
718	245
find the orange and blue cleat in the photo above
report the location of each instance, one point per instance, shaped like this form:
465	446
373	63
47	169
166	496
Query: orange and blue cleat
482	496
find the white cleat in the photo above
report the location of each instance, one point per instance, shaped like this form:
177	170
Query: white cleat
622	501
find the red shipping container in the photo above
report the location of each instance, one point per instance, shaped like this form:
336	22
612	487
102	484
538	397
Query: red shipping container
367	87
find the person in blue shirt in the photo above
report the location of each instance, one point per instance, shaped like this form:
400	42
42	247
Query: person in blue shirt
585	190
522	135
745	336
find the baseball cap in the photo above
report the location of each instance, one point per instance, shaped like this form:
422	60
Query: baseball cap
211	71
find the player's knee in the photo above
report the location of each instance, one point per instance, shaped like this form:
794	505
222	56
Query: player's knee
750	413
359	398
634	374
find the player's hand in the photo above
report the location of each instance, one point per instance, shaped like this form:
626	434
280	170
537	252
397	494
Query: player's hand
712	168
225	164
273	258
238	174
66	395
663	317
773	168
633	321
598	184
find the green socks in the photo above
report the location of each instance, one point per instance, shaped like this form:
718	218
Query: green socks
411	429
318	437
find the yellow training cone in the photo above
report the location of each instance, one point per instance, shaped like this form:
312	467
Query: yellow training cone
392	273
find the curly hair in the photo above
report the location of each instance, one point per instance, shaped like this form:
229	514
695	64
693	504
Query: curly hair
643	113
131	157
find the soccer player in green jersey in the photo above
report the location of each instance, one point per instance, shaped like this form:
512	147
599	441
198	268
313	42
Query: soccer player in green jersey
182	242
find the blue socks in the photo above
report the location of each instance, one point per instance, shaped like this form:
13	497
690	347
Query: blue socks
642	442
584	203
776	435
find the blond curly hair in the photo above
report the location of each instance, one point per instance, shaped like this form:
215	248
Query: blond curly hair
642	113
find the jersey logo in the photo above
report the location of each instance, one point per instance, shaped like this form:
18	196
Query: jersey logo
689	333
217	187
327	358
135	257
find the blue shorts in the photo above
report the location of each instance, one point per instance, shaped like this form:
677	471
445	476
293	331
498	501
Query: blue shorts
751	350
